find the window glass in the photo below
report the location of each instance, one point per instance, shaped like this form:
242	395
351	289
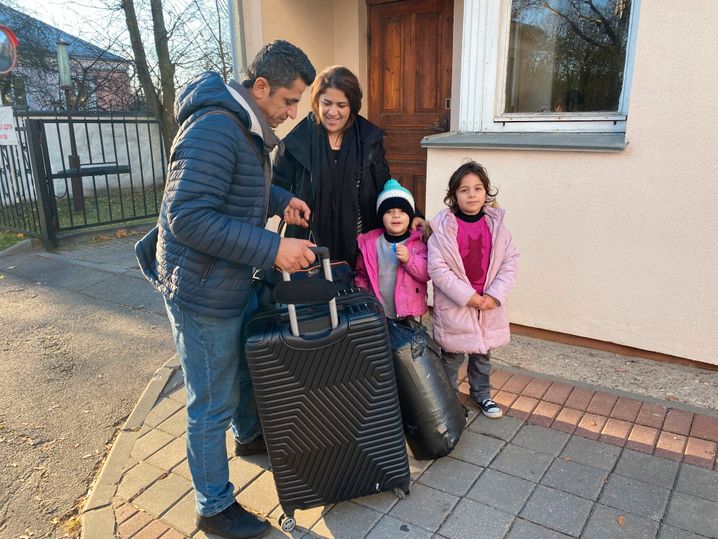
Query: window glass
566	55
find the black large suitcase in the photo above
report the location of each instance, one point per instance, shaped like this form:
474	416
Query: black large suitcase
327	400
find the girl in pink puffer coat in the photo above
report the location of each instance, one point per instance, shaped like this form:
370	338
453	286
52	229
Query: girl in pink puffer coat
472	263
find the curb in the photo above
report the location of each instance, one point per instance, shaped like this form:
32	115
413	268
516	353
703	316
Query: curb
73	238
21	247
98	516
678	405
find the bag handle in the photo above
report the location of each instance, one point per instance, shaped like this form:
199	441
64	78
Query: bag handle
312	229
296	289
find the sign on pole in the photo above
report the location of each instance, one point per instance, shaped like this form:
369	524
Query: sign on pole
8	136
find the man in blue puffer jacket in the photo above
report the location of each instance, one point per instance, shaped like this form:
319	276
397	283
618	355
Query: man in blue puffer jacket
209	238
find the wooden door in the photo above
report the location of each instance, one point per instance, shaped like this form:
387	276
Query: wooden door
410	81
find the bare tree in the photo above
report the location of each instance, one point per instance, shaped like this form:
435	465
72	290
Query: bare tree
161	102
167	42
194	39
586	49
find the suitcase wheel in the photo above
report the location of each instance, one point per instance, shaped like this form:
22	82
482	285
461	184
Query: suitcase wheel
287	523
399	493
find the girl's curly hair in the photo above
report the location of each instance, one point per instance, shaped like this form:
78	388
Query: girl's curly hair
455	182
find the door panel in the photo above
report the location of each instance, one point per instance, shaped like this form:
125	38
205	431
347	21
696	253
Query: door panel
409	81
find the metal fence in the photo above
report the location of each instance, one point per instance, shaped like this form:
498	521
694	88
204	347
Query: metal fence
79	171
18	203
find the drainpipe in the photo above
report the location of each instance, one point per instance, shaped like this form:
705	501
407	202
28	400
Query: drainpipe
236	33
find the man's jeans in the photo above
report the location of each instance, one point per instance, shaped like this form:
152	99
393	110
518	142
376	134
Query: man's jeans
219	391
478	371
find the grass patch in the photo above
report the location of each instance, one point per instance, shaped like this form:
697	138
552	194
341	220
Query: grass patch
109	206
21	216
8	239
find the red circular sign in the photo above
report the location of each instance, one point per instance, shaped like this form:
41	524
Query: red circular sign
8	50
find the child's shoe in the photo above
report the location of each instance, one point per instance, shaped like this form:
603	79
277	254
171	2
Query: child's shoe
489	408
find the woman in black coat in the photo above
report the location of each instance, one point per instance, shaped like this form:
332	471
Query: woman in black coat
334	160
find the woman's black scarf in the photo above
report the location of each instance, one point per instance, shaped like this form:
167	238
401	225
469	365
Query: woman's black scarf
335	198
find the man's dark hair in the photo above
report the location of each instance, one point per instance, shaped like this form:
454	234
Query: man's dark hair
280	63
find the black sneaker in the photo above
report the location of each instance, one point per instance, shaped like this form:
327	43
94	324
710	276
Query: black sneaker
233	523
255	447
489	408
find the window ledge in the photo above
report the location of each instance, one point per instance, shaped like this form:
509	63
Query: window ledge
594	142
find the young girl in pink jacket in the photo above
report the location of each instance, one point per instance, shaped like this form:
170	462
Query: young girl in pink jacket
392	260
472	263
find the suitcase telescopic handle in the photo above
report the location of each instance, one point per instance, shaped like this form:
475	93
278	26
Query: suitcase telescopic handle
323	254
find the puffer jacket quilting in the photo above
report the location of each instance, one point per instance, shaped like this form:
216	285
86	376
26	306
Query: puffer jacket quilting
411	278
211	227
458	327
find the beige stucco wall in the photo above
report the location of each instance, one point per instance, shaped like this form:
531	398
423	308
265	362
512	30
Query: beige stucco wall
309	24
329	31
623	247
350	37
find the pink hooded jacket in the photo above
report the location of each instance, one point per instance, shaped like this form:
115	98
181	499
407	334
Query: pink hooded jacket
411	278
458	327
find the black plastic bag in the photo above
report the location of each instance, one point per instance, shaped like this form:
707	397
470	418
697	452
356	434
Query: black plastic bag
433	416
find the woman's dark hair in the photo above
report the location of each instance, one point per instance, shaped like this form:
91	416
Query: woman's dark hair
280	63
342	79
455	182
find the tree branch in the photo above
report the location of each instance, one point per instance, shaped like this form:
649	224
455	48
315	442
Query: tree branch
576	29
606	24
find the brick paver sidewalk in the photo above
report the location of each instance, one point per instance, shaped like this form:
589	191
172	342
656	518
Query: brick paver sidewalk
567	461
646	427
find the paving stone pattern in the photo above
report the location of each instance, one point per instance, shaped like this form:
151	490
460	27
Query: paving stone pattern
565	461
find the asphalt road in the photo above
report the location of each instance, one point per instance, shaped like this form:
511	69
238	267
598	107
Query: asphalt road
80	336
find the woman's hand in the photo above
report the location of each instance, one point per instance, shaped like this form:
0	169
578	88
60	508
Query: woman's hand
297	213
418	222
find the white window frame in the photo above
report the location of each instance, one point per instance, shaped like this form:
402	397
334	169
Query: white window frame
484	55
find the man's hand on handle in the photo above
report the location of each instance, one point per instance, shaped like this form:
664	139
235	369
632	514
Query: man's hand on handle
294	254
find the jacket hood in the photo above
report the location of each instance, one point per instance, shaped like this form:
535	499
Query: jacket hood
495	216
206	90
